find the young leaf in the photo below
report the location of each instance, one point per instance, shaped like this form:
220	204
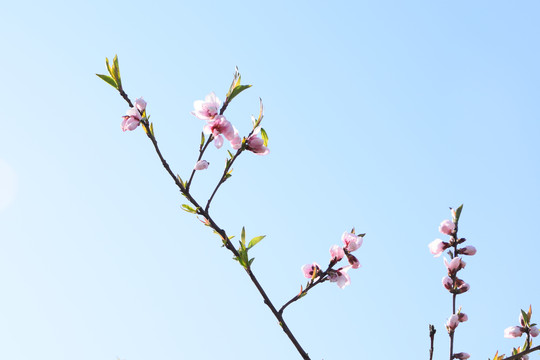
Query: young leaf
243	236
188	208
250	261
255	241
261	114
109	80
458	212
525	317
152	129
109	67
202	139
264	137
237	90
235	82
116	71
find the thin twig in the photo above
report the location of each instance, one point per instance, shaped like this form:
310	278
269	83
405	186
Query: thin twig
432	332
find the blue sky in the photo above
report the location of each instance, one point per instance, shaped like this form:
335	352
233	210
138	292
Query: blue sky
380	115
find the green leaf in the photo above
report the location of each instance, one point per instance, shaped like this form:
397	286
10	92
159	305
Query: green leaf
237	90
261	115
116	71
243	236
235	82
255	241
188	208
264	137
202	139
250	261
525	317
458	212
109	80
230	154
109	67
152	129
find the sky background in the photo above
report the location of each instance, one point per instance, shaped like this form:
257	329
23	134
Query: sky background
381	115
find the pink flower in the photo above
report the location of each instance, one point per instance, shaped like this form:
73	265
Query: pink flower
207	109
533	331
309	269
462	317
447	283
336	253
462	356
454	265
437	246
447	227
201	165
340	276
352	242
220	125
140	104
255	144
236	142
452	323
132	119
513	332
353	261
467	250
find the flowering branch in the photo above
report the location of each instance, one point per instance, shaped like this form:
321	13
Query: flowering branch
218	125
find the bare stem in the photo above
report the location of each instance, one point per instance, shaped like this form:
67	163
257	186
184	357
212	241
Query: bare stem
432	332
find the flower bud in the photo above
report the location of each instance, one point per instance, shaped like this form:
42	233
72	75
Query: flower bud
437	246
452	323
513	332
533	331
462	317
447	283
353	261
201	165
336	253
140	104
447	227
462	356
467	250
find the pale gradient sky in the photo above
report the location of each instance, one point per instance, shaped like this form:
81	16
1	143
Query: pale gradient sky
380	115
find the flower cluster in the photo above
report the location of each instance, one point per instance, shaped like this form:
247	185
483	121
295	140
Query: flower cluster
340	276
217	125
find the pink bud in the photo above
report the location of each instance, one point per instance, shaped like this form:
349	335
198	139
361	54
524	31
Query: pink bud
533	331
463	288
353	261
447	283
462	317
140	104
452	323
309	269
201	165
131	120
454	265
255	144
447	227
336	253
462	356
467	250
513	332
352	242
437	246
